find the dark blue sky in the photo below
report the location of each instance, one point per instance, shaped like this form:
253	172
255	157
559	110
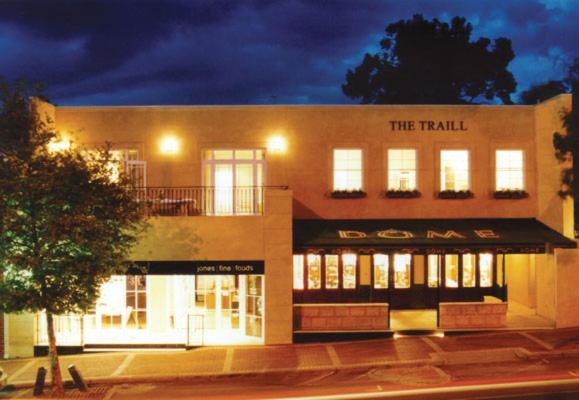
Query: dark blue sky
248	52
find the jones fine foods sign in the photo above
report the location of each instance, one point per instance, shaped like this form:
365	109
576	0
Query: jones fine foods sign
201	267
427	125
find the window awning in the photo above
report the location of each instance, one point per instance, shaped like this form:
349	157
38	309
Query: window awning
430	236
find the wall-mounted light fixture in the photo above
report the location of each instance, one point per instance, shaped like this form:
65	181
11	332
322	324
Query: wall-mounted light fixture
277	144
170	145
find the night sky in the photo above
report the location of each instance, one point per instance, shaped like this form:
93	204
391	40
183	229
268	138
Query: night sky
248	52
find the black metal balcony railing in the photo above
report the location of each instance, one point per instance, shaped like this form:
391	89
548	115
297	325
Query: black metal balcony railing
201	200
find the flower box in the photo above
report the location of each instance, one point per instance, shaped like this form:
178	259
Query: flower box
510	194
402	194
348	194
455	194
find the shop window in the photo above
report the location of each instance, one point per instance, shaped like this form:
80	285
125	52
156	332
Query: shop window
402	264
136	301
111	303
254	303
332	274
509	170
468	270
433	270
401	169
347	169
380	271
314	271
486	269
349	270
298	271
454	170
451	270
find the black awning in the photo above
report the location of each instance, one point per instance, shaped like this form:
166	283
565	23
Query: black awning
504	235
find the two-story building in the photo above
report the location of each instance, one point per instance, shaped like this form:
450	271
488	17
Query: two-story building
268	222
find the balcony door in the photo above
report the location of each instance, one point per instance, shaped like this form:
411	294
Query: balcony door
233	181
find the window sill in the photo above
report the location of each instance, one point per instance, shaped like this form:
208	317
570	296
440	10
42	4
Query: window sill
347	194
456	194
402	194
510	194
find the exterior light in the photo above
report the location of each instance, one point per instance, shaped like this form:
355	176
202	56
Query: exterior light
170	145
58	144
277	144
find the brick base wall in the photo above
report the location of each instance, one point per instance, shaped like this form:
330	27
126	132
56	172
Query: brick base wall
473	315
340	317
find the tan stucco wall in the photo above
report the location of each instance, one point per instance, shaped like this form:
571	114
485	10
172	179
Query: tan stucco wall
521	278
20	335
312	132
567	287
553	211
546	270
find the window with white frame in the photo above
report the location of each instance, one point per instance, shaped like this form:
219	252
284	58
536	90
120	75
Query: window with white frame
298	271
347	169
509	165
401	169
454	170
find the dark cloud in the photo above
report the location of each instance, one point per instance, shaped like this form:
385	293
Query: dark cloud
225	51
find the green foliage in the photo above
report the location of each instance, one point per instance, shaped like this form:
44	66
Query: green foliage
542	92
65	227
431	62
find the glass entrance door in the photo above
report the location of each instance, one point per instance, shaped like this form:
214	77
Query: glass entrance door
234	180
218	297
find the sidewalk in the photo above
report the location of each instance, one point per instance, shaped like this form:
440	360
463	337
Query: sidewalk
159	366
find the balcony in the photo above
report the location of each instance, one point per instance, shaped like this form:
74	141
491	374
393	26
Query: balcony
202	200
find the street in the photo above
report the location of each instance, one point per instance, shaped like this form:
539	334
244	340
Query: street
540	364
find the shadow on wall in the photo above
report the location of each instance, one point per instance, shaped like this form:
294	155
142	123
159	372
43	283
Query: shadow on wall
300	211
181	242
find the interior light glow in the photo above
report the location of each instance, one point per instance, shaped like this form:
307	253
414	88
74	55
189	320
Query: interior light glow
170	145
277	144
58	144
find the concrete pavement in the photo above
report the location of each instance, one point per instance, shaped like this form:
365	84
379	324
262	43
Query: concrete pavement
423	352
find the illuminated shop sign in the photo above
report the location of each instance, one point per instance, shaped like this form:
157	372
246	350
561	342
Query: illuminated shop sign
202	267
428	125
430	234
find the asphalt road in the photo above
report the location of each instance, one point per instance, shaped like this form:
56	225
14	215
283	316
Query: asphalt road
540	379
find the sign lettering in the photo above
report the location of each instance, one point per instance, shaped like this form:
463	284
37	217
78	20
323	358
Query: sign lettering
446	235
428	125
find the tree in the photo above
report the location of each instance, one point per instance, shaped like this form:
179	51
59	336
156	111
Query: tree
566	145
432	62
65	225
542	92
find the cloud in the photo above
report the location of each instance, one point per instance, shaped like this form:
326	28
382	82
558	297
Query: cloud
224	52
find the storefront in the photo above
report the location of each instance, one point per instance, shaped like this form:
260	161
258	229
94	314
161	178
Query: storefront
172	304
412	264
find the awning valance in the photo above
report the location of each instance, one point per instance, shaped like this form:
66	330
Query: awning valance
432	236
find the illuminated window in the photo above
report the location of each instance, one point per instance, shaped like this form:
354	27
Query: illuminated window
433	270
380	271
509	170
137	301
332	275
468	270
486	269
347	169
349	270
451	270
314	272
298	271
235	181
454	170
401	169
402	271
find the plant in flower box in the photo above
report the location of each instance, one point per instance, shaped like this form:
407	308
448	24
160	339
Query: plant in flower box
455	194
402	194
347	194
510	194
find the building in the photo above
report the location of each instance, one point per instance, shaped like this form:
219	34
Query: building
274	221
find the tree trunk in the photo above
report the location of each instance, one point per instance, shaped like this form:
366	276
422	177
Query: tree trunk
57	386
